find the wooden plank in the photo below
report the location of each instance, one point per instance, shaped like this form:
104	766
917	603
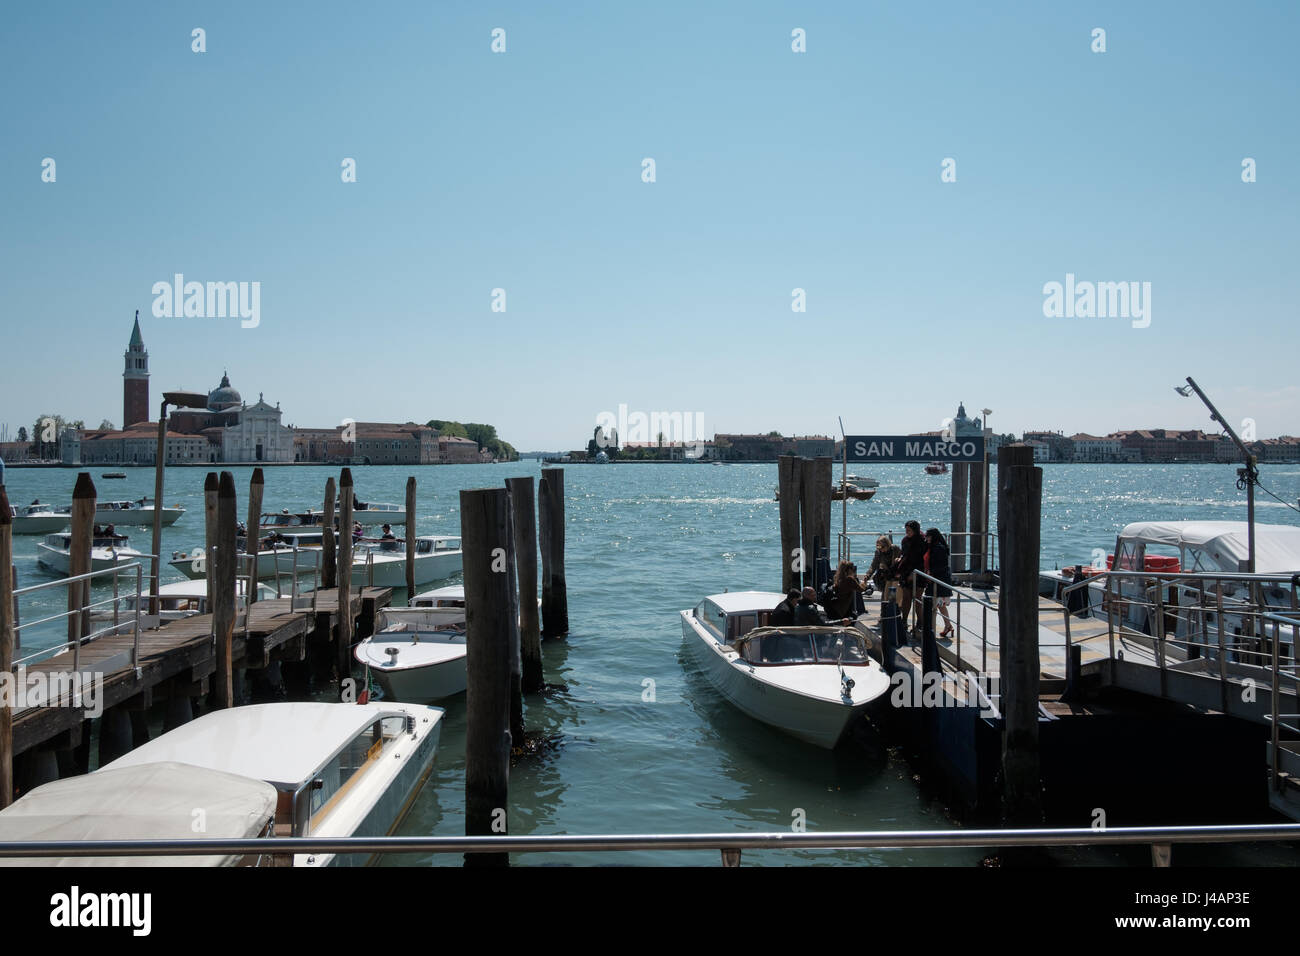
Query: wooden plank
223	591
251	539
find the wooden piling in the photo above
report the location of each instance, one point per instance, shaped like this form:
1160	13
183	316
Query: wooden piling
1020	500
516	658
957	540
345	576
523	522
328	559
410	538
550	511
222	573
816	476
978	526
83	527
250	539
485	536
789	484
210	486
6	650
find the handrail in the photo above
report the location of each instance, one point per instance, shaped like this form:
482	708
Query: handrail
1155	836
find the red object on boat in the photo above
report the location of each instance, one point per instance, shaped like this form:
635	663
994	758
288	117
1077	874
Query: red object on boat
1151	562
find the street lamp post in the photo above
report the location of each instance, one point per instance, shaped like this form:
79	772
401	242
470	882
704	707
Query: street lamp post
1248	475
986	412
180	400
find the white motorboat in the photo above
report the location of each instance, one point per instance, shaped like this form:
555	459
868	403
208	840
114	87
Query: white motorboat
106	551
289	554
862	481
371	513
151	801
810	682
417	654
37	518
138	512
453	595
437	557
340	769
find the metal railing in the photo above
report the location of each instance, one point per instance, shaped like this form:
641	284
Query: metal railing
1159	838
80	618
1184	616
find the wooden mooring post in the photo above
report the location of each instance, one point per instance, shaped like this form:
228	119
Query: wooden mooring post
410	538
345	576
523	522
487	545
328	559
550	515
957	540
978	520
816	476
83	527
210	489
6	650
789	480
222	572
1020	500
250	537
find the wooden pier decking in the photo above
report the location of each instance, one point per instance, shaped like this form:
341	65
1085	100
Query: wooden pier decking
184	650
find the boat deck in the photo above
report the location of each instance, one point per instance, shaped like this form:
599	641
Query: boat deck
184	649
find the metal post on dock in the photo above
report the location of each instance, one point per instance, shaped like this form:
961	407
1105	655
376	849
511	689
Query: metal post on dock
328	565
210	486
222	573
486	541
523	521
410	538
789	494
83	526
1020	499
550	516
6	650
250	537
344	591
957	533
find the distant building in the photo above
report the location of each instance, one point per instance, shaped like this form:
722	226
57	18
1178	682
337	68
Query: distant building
1062	447
1042	450
1093	448
135	379
457	451
1283	449
138	445
258	436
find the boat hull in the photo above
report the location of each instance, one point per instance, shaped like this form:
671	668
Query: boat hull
423	685
52	559
818	722
40	524
139	517
390	572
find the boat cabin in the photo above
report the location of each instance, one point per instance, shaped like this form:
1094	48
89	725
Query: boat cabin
803	645
732	615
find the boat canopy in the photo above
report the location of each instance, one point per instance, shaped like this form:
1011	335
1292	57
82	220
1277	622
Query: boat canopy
284	744
153	801
1222	545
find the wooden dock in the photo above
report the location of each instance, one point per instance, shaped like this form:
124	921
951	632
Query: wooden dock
183	653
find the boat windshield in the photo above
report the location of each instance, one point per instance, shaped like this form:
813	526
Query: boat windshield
804	646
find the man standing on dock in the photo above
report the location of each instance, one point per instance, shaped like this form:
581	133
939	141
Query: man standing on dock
911	559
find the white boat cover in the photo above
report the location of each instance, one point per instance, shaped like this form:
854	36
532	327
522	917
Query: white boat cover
1226	543
283	743
156	801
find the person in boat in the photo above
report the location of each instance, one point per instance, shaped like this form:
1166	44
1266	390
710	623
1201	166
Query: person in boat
783	614
937	565
845	596
111	532
911	558
97	531
357	533
881	573
809	612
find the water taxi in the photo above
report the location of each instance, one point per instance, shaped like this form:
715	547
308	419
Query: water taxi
37	518
106	551
809	682
417	654
339	770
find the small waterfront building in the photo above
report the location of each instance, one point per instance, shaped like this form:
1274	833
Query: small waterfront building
1093	448
454	451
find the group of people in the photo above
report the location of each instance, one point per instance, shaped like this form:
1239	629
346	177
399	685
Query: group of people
892	567
891	571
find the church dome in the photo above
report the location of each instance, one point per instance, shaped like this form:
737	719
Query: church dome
223	396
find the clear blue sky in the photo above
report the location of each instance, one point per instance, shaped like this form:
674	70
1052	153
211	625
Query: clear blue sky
775	170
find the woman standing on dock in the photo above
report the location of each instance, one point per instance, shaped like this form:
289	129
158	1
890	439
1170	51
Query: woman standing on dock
881	573
937	566
911	558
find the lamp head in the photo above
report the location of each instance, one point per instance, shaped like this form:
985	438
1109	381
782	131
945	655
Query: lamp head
1183	390
186	399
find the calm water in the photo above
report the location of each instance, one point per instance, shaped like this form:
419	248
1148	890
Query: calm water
643	542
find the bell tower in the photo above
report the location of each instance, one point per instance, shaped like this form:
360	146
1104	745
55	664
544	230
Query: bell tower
135	379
